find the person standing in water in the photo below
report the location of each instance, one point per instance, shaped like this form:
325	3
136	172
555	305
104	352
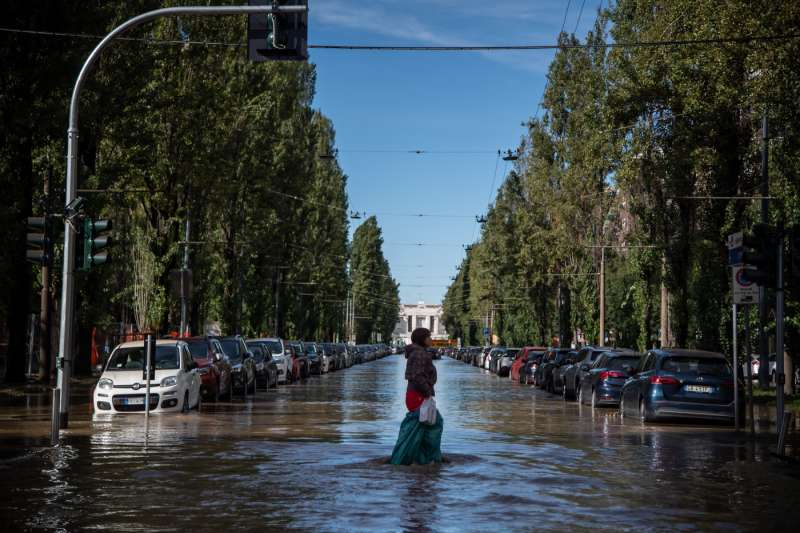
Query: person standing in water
419	443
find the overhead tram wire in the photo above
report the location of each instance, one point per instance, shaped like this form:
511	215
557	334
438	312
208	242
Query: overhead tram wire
746	39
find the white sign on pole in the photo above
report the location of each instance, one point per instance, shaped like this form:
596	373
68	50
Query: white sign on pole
744	291
735	240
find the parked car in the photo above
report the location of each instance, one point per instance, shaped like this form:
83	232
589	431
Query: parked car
328	354
282	362
571	375
122	389
602	384
480	361
301	357
518	366
213	366
266	369
532	365
343	356
505	361
755	365
314	358
678	383
243	367
554	358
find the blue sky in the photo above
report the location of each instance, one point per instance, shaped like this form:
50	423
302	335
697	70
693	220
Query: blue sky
383	103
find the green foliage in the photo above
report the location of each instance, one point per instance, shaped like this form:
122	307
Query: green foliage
625	137
374	291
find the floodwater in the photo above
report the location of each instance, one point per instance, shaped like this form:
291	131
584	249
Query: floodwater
311	456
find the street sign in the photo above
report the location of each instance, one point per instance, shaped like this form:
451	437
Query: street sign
735	240
485	331
744	291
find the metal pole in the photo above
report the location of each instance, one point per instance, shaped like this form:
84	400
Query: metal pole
735	370
602	296
779	374
184	296
763	308
664	322
148	348
54	419
749	370
68	282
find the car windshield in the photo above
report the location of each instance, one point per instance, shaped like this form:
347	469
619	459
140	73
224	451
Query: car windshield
275	347
198	349
312	348
133	358
618	363
512	353
231	347
258	352
697	365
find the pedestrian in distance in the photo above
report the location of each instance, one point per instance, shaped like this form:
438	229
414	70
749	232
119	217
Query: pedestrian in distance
419	442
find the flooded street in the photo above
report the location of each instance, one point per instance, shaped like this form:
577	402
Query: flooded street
311	456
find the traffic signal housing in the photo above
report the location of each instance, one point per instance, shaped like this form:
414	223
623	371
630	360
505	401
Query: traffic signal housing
95	237
761	254
278	36
38	242
794	242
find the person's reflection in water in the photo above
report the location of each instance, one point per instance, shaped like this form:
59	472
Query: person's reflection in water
420	499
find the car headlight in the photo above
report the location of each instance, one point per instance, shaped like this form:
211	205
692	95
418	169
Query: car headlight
105	384
170	381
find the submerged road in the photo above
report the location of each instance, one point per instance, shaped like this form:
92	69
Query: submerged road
312	456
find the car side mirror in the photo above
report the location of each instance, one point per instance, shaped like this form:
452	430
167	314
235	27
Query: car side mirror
217	357
248	355
193	365
584	367
287	352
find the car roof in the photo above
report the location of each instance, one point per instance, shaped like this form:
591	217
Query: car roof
682	352
267	339
159	342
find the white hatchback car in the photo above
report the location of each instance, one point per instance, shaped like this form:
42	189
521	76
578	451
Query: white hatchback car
121	388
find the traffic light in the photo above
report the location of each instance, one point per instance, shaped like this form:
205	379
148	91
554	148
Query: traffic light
38	243
95	238
761	253
278	36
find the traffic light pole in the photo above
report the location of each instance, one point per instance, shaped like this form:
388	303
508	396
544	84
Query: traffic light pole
779	312
65	343
763	307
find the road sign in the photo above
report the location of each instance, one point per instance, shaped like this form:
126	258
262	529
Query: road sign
735	240
485	331
744	291
735	256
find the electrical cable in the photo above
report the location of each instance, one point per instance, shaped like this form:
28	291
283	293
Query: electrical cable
477	48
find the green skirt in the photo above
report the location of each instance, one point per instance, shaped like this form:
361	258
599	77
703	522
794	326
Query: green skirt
418	443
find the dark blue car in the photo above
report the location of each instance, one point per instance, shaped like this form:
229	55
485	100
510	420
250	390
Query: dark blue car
602	384
681	384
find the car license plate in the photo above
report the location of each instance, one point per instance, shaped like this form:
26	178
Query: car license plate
705	389
134	401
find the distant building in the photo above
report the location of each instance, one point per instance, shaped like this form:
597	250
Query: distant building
419	315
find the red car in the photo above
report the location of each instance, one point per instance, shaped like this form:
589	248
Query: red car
518	368
213	367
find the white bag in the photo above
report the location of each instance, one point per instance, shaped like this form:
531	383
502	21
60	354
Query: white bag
427	411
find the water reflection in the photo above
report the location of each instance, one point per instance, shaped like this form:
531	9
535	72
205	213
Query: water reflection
312	456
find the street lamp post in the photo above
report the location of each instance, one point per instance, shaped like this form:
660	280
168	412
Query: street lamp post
68	283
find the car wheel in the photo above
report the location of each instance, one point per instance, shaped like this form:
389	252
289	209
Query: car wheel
594	399
564	391
622	407
185	406
642	411
580	395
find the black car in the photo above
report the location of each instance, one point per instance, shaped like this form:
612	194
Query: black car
266	369
528	373
243	367
571	375
314	358
553	359
602	384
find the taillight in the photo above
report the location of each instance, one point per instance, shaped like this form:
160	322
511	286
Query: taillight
663	380
605	374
